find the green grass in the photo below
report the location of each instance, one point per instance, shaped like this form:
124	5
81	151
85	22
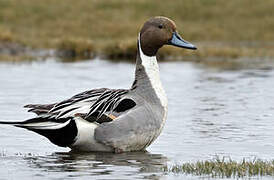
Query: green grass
220	28
225	168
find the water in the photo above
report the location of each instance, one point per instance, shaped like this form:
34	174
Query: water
212	111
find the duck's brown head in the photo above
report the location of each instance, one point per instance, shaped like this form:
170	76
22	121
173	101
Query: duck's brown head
159	31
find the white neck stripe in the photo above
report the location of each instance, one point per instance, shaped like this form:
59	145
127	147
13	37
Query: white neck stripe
152	70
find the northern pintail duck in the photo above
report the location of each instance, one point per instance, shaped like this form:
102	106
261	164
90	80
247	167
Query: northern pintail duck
113	120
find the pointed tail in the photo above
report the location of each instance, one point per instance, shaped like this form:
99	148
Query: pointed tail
61	132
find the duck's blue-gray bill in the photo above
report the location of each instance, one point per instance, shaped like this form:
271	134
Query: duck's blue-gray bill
178	41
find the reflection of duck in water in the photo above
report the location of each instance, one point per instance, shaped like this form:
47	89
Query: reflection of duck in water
114	119
101	165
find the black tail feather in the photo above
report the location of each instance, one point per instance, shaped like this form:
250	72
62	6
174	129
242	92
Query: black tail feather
63	136
12	122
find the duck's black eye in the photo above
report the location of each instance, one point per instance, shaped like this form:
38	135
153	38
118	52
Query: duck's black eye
160	26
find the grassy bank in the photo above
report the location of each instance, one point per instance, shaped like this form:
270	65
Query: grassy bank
225	168
87	28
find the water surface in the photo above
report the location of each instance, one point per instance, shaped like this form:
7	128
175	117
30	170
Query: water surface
212	111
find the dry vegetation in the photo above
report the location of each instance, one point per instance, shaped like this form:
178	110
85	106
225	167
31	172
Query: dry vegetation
86	28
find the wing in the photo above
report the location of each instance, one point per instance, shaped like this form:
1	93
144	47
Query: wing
78	104
95	105
77	101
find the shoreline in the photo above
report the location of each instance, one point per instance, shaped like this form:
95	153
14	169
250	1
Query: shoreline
12	51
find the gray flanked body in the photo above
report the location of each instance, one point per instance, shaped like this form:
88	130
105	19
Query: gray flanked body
113	120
